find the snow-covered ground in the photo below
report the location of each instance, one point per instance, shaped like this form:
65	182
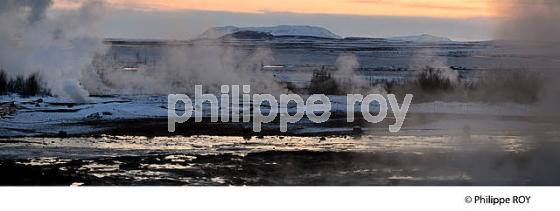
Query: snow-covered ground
51	115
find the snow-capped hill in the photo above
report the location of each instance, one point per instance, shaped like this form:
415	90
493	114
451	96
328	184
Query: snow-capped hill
217	32
424	38
282	30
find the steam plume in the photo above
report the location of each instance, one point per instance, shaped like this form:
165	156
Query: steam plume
535	26
57	46
210	63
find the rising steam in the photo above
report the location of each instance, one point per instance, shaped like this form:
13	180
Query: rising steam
66	53
535	26
56	46
210	63
347	65
535	20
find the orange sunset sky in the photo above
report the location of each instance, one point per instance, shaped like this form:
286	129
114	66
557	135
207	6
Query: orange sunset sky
421	8
184	19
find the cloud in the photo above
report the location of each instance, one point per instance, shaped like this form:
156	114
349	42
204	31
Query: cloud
448	5
424	8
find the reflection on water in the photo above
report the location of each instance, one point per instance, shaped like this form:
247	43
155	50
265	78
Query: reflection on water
274	160
106	145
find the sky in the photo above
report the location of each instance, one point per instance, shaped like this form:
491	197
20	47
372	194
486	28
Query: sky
185	19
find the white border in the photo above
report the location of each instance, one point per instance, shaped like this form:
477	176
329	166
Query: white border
269	198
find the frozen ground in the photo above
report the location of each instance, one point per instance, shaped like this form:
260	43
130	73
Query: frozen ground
50	116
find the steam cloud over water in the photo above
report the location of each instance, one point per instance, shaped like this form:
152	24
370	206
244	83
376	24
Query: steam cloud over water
59	47
534	26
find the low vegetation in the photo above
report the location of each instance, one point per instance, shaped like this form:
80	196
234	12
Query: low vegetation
323	83
492	86
432	79
24	86
441	84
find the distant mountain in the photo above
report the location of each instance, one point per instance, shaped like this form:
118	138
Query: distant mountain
424	38
282	30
